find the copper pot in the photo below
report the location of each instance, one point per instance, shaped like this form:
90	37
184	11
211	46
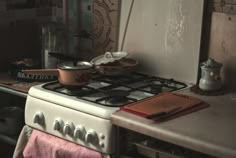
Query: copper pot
69	73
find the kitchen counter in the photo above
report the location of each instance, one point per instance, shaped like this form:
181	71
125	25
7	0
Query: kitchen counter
211	130
15	87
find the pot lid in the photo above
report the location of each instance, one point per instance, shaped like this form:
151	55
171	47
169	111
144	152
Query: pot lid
211	63
69	65
108	57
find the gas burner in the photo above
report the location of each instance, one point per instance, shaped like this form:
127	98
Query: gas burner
73	88
117	102
171	83
116	91
79	91
139	95
115	95
98	84
156	89
68	90
71	91
115	98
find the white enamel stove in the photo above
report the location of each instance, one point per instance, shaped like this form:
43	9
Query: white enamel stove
66	117
82	115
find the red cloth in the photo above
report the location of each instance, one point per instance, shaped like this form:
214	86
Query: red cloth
42	145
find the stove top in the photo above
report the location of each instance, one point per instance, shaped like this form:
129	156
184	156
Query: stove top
105	94
116	91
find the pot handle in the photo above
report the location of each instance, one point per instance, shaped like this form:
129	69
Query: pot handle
52	72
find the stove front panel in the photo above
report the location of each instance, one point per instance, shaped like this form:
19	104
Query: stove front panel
81	128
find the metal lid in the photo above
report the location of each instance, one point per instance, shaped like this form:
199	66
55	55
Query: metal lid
69	65
211	63
108	57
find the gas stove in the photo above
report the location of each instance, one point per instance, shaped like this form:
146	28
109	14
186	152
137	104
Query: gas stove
116	91
82	114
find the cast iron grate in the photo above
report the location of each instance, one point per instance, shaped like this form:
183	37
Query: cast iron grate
120	90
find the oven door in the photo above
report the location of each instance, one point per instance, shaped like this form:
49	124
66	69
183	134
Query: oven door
24	138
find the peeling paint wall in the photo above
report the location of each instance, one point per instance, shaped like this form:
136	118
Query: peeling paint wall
103	30
223	6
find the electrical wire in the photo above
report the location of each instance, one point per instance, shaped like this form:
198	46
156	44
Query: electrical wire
126	26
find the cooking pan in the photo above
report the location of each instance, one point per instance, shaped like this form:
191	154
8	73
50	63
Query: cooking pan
118	67
114	63
69	73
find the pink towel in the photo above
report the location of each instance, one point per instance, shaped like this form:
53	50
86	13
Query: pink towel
42	145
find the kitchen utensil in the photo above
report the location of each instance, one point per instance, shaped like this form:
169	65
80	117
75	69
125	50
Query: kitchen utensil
118	67
69	73
210	75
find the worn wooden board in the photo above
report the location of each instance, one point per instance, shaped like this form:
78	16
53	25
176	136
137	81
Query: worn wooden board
222	46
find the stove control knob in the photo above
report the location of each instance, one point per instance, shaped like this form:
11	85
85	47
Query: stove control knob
58	124
91	137
79	132
101	144
68	128
39	118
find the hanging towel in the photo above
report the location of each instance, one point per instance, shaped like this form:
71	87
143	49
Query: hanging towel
43	145
22	141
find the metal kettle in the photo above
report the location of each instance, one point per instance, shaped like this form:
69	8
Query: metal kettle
210	75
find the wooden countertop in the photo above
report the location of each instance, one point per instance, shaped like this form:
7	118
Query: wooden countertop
210	130
16	87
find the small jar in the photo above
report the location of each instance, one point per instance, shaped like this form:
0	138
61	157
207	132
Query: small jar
210	75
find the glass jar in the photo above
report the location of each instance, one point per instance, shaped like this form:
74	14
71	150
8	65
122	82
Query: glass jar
52	40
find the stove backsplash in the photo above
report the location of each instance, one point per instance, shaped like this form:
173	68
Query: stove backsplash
164	35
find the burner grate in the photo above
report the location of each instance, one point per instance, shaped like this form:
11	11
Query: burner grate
116	98
119	90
